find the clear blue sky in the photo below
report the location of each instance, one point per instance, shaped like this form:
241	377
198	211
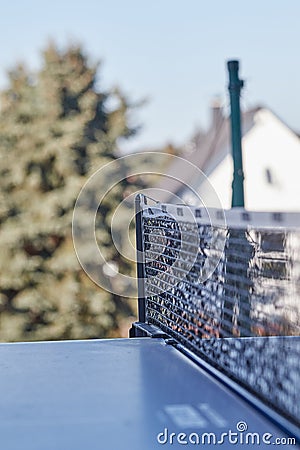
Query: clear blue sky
172	52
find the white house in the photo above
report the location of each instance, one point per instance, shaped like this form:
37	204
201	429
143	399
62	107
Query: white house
271	160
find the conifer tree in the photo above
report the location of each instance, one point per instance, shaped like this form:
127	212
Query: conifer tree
55	131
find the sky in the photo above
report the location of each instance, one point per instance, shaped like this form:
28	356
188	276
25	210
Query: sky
172	53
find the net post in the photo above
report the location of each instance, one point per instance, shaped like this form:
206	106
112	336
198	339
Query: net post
140	258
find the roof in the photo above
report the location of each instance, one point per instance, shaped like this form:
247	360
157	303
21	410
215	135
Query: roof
208	147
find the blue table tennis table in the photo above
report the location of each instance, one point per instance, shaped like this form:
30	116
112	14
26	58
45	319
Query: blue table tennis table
168	386
130	394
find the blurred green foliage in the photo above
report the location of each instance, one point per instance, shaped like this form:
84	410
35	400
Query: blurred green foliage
55	131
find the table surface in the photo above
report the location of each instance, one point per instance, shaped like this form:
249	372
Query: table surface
117	394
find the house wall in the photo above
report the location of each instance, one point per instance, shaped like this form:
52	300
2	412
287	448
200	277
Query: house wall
271	156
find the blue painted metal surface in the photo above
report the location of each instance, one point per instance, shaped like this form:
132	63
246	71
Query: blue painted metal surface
113	394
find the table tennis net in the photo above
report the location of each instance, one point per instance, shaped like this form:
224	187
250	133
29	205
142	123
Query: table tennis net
223	285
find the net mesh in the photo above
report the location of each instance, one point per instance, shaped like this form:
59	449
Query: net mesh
223	285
